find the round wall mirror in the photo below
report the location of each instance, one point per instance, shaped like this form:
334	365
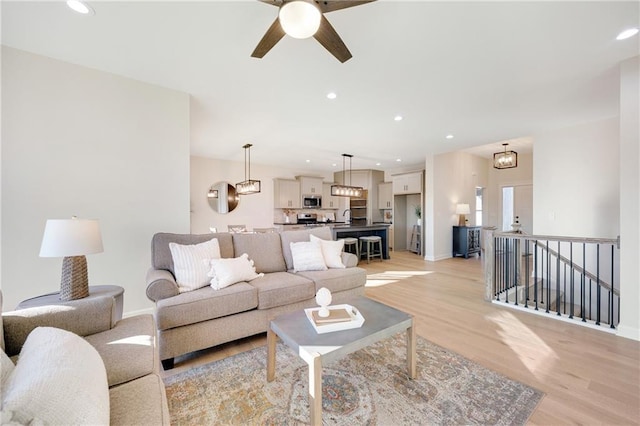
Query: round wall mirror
222	197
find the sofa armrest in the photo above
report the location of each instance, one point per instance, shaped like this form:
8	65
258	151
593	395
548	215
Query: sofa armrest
160	284
349	259
82	317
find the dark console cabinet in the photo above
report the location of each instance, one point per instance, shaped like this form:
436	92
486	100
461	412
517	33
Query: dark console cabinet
466	240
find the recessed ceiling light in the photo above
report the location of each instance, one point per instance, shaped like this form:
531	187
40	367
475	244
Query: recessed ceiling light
334	165
378	164
449	136
332	95
399	160
627	33
307	161
80	7
398	118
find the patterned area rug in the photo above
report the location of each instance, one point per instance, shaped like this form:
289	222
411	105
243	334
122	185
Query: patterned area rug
368	387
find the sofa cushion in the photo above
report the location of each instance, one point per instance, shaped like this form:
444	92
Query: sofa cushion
81	316
140	402
128	350
282	288
205	304
191	263
263	248
161	254
59	379
331	251
337	279
288	237
224	272
307	256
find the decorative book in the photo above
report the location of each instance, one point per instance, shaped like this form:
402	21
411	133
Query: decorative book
341	317
335	315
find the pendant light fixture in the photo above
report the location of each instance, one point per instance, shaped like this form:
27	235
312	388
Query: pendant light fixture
505	159
247	186
345	190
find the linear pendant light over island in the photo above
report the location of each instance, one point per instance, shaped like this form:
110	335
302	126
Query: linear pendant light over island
345	190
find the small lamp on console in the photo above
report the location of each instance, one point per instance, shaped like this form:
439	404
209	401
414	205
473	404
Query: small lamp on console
72	239
461	210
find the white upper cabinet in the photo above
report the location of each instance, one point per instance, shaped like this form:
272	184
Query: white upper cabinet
409	183
286	194
385	195
328	200
310	185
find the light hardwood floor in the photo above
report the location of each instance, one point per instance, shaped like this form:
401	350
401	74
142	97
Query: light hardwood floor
588	376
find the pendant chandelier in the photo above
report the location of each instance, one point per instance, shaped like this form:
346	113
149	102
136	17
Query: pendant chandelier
248	185
505	159
345	190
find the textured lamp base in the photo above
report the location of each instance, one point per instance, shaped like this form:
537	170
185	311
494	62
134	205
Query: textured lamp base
461	220
75	280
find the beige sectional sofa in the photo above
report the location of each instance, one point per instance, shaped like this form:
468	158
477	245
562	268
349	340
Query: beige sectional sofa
205	317
126	363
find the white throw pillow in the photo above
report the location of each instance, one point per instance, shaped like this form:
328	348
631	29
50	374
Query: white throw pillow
59	379
331	251
191	263
224	272
307	256
6	368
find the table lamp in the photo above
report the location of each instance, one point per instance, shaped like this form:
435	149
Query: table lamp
461	210
72	239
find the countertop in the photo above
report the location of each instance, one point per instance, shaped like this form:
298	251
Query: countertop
337	225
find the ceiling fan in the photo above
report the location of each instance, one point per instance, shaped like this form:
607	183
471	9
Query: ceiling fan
305	18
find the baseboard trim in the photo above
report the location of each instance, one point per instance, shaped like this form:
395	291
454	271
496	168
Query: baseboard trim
628	332
139	312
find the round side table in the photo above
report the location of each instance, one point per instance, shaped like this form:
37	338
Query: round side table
95	291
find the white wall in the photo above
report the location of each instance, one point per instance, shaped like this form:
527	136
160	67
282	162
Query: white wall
630	198
498	178
255	210
453	180
76	141
576	181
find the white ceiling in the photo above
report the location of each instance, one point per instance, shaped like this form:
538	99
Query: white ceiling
485	72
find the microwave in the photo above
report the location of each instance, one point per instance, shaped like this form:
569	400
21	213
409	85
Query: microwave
311	202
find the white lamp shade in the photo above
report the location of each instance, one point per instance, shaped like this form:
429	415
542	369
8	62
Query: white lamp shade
463	209
71	237
299	19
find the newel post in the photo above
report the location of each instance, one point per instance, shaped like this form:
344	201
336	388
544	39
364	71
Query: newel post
489	257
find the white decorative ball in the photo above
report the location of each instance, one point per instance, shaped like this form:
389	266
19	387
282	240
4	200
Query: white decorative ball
323	297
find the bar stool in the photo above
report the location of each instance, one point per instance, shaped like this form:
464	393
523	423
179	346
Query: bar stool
370	242
351	246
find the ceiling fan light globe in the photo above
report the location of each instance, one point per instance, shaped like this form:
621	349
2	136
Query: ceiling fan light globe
299	19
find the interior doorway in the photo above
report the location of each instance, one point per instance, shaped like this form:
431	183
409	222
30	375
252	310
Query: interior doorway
517	201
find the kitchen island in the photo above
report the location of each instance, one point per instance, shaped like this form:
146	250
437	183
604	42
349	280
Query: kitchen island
357	231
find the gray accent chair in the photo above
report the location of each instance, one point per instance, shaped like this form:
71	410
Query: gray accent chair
205	317
136	391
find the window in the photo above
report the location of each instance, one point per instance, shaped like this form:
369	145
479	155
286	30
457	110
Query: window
479	192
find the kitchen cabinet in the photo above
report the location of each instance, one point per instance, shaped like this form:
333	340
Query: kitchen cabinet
408	183
329	201
385	195
310	185
466	240
369	180
286	194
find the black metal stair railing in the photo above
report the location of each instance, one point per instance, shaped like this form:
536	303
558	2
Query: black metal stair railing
576	278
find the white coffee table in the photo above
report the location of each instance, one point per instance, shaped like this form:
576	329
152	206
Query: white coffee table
295	330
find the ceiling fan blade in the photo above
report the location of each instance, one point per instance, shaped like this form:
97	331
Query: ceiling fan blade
329	38
331	5
272	2
273	35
